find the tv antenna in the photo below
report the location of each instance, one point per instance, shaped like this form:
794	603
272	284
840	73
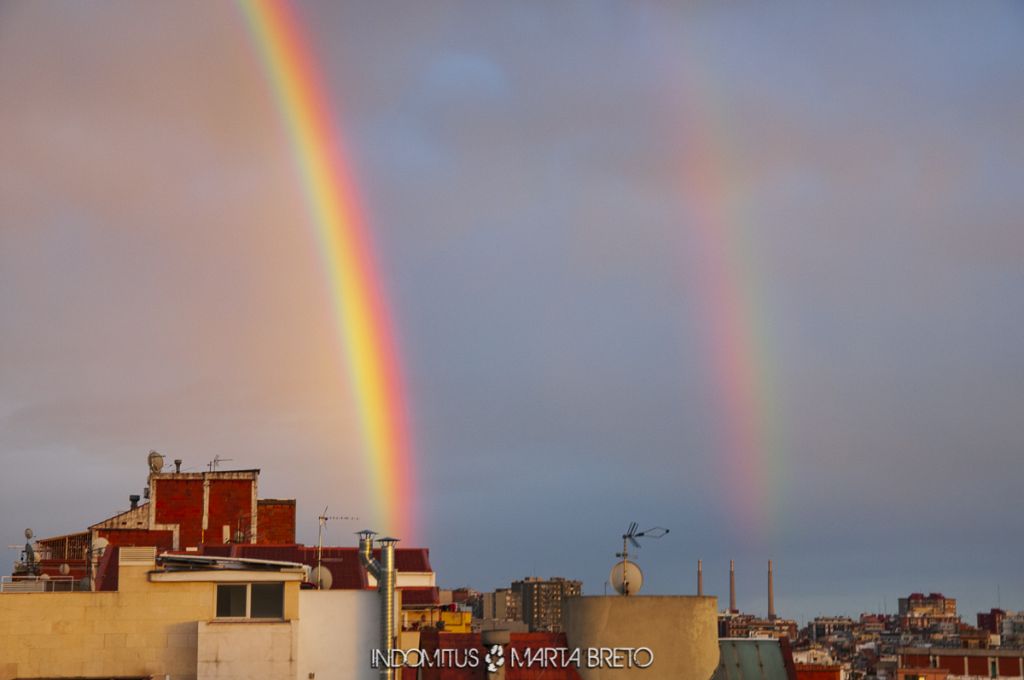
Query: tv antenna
321	575
217	460
626	577
28	562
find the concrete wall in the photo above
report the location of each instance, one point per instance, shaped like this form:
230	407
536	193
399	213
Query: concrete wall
682	631
246	650
337	631
144	628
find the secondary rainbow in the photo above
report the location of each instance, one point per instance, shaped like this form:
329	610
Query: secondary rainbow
360	311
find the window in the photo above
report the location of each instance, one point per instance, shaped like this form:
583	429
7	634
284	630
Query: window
250	600
267	601
231	601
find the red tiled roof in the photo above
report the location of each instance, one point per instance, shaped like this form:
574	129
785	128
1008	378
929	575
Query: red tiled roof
420	596
343	562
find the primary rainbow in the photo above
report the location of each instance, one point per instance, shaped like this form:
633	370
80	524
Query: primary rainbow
359	307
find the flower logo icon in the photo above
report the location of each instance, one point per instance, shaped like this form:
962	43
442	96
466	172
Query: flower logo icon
495	658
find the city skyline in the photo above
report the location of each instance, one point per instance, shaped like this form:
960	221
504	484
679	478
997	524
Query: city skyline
751	274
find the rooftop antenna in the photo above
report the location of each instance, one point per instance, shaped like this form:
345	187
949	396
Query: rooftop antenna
626	577
321	576
28	563
217	460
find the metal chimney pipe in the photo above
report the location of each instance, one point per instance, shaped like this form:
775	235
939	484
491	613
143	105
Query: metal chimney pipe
732	587
177	465
384	572
700	579
134	500
771	594
366	553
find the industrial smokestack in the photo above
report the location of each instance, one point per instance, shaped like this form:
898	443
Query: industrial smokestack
700	578
384	572
771	594
134	500
732	587
177	465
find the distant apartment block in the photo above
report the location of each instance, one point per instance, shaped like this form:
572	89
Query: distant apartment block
501	605
541	600
738	625
920	612
992	621
823	627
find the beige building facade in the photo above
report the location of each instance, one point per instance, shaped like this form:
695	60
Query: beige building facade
158	623
680	631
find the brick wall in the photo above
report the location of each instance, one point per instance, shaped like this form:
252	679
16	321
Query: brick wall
275	521
180	501
230	502
161	539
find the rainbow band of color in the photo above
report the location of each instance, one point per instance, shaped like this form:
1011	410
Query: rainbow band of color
735	325
360	312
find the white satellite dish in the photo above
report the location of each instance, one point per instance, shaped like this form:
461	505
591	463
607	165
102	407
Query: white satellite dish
322	577
626	578
29	534
99	545
65	569
156	461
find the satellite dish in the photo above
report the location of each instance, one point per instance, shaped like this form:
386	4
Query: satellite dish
633	581
99	545
29	534
65	569
156	461
44	577
322	577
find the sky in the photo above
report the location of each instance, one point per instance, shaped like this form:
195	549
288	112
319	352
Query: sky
613	236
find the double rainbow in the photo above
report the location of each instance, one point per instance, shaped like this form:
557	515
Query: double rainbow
360	310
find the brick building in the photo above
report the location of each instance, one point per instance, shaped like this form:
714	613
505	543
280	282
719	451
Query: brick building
219	513
182	511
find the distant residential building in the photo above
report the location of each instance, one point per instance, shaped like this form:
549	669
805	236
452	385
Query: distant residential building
1013	629
873	624
992	621
738	625
975	638
541	600
920	612
934	604
827	626
964	663
501	605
